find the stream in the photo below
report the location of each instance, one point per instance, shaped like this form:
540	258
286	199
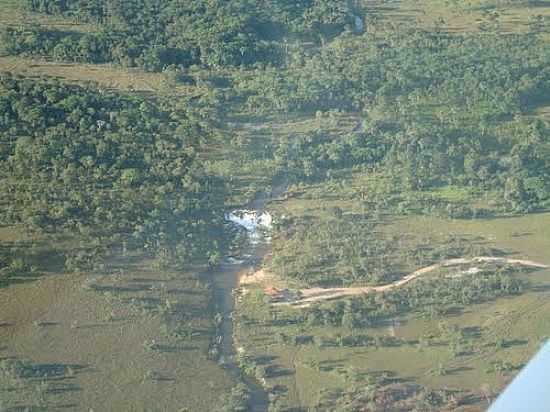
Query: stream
225	280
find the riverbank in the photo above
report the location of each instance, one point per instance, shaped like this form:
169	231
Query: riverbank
255	221
469	347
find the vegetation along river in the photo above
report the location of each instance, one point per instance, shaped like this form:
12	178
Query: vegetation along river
226	276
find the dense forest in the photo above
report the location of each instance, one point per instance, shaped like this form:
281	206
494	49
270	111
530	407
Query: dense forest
434	110
429	119
116	170
153	35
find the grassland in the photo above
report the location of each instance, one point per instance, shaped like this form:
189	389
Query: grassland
104	75
14	13
129	337
518	323
114	334
459	16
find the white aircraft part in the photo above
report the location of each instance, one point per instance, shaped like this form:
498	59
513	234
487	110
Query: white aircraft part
529	391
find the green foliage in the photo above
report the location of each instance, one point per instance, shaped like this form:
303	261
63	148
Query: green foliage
108	167
318	154
16	261
21	387
380	393
397	70
335	252
419	296
236	401
154	35
353	249
428	119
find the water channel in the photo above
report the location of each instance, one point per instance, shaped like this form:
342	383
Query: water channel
226	279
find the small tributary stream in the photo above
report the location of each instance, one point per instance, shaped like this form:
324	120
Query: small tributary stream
225	279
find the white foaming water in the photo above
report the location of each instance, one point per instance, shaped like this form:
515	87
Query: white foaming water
233	261
256	226
249	219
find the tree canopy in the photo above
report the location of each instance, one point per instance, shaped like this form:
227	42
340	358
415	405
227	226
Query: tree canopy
107	166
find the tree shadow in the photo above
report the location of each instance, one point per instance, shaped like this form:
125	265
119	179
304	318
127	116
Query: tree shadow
470	399
160	377
120	289
457	370
539	3
515	342
304	340
521	234
60	389
173	348
279	389
539	288
28	408
454	311
73	406
9	280
388	377
276	371
471	332
46	324
90	326
264	359
145	280
52	371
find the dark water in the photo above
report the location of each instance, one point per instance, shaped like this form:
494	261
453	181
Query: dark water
225	280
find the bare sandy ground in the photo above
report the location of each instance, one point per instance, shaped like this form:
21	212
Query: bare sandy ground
258	277
311	295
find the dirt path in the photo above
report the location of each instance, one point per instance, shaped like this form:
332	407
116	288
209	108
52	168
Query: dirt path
312	295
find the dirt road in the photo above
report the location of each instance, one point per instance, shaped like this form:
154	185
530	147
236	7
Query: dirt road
312	295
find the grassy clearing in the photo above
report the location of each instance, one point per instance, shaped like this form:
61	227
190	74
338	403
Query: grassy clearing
455	194
14	14
134	340
460	16
12	234
105	75
522	235
499	337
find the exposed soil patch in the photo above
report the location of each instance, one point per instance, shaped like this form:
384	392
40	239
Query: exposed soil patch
305	297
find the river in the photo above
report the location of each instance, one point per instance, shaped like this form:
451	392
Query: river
225	279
